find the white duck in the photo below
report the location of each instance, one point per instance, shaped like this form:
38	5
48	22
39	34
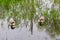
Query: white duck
11	23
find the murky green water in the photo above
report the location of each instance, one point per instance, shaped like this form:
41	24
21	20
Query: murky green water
26	15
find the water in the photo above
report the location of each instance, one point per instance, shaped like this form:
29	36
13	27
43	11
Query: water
22	33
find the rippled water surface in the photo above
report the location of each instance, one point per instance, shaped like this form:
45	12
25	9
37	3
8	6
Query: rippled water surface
22	33
23	13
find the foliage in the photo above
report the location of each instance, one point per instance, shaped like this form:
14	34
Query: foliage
26	9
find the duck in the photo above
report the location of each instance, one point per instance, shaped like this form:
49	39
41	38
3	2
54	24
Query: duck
41	20
12	23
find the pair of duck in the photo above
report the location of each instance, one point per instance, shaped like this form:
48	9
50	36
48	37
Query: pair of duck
12	22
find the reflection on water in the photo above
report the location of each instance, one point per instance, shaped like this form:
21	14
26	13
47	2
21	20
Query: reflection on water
24	16
22	33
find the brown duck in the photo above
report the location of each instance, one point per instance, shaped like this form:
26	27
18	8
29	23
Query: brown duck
41	20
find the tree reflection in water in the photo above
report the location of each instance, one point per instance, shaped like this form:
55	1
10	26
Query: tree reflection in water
23	10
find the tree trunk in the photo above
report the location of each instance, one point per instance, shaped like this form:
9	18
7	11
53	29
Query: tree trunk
31	27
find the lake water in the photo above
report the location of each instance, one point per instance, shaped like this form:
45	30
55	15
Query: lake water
22	33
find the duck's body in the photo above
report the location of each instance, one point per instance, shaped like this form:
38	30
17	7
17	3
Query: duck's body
12	23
